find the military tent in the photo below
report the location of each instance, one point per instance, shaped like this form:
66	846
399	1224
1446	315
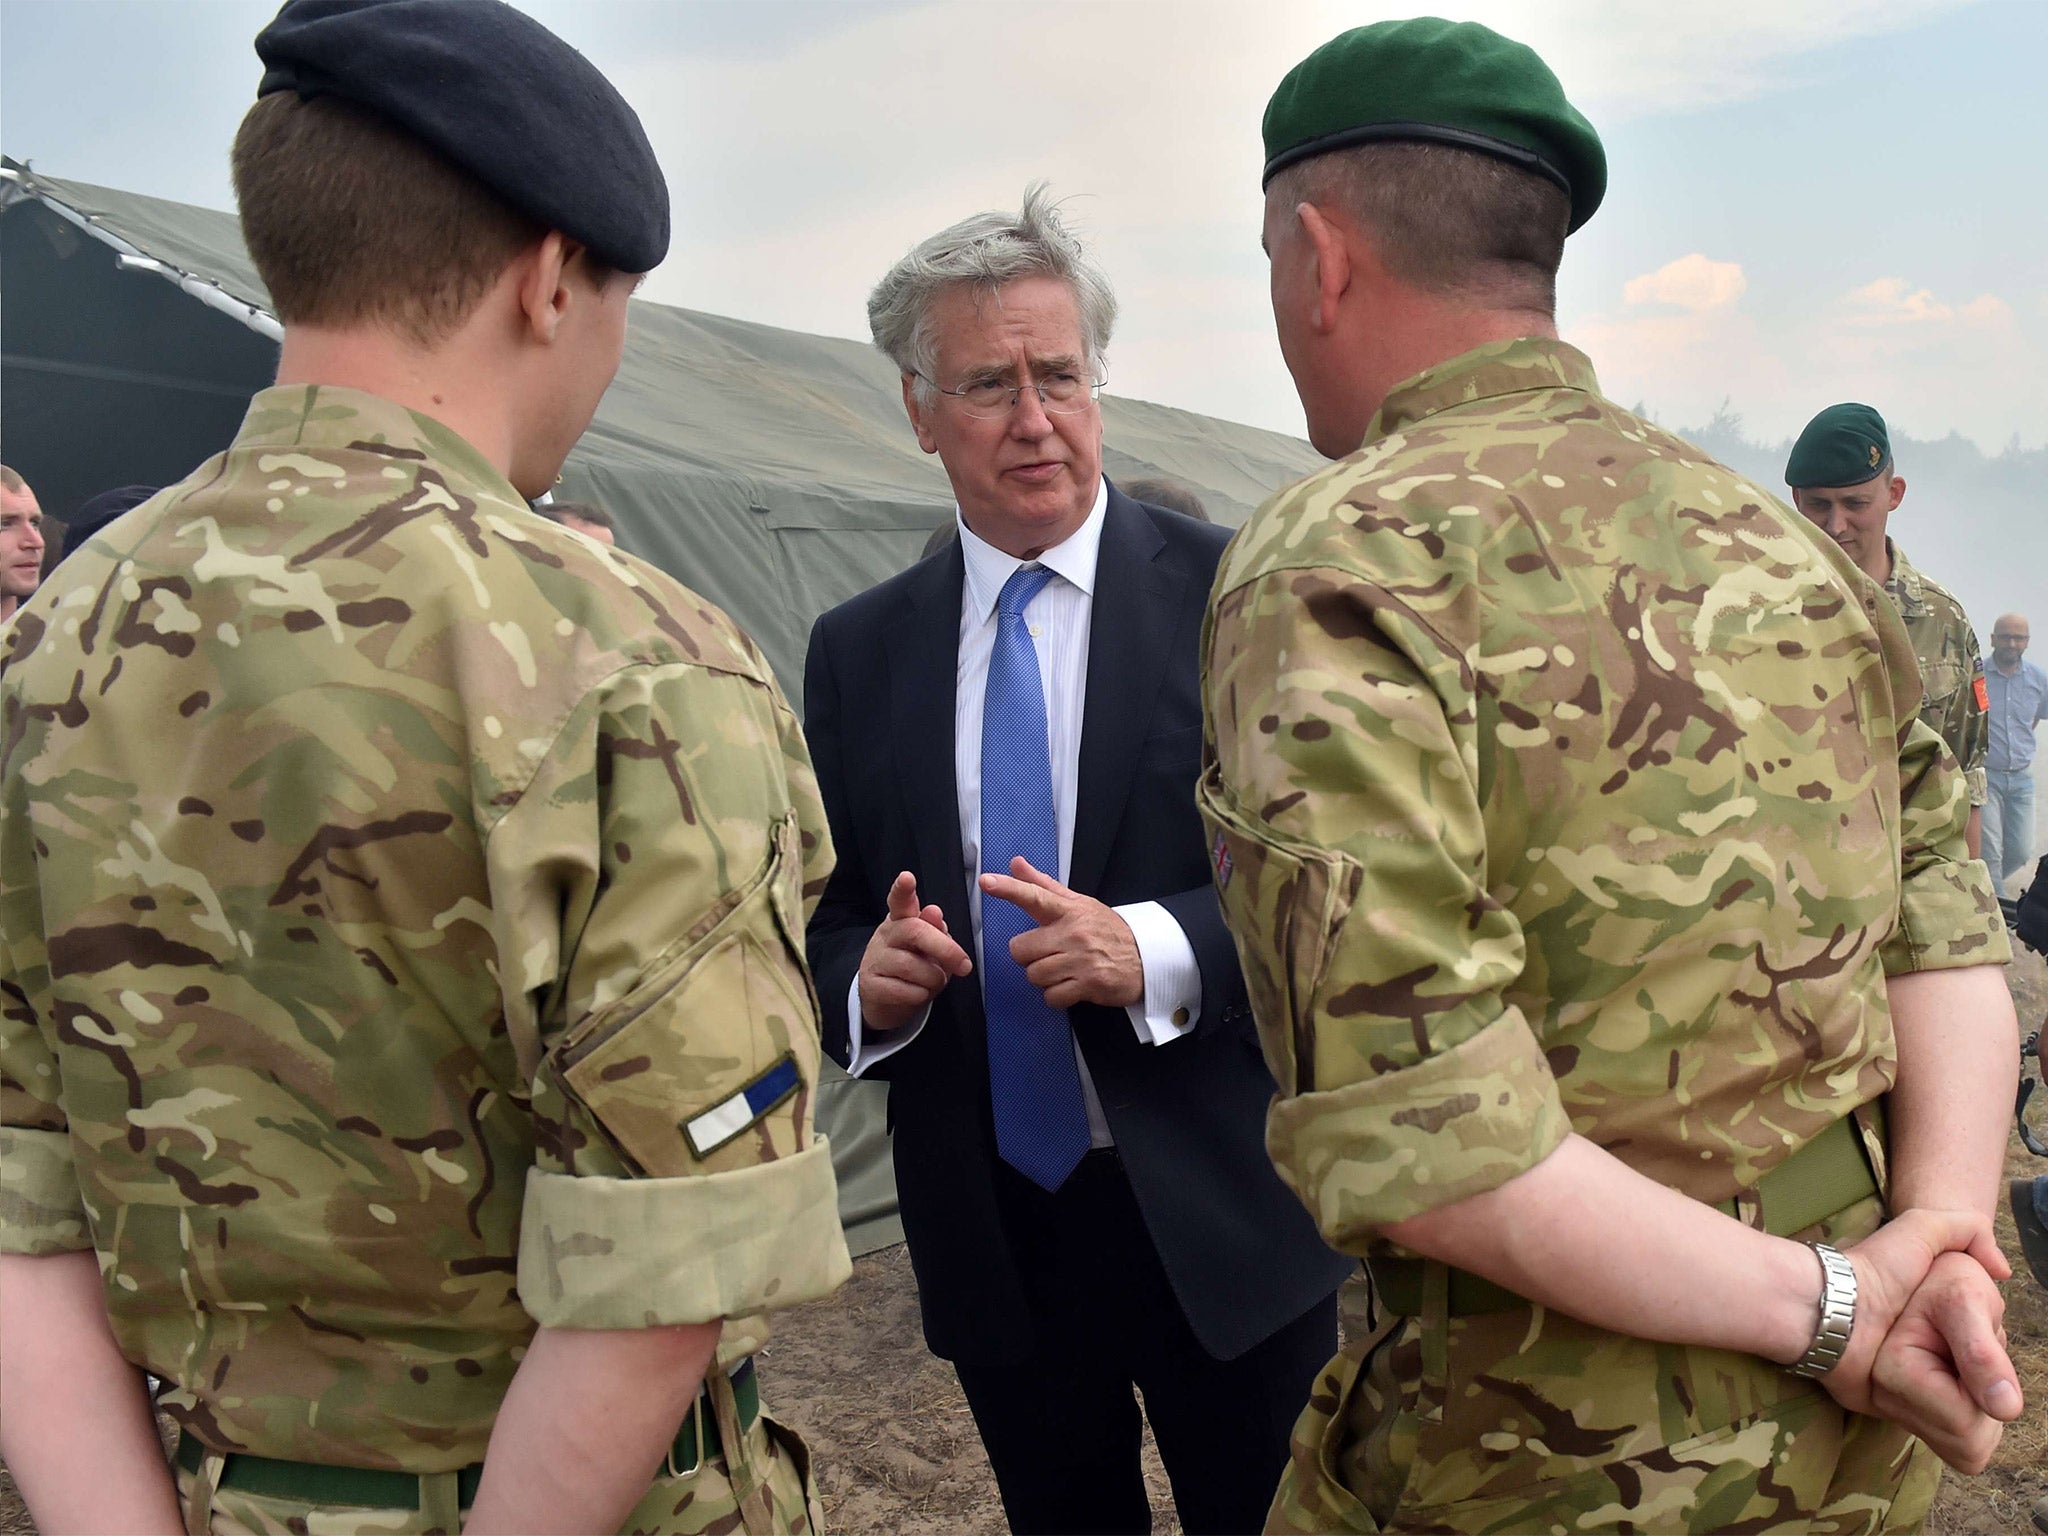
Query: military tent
770	469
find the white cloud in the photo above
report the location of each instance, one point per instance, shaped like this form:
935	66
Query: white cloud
1892	301
1692	282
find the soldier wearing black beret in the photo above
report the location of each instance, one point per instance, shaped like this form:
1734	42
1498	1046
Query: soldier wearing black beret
407	1059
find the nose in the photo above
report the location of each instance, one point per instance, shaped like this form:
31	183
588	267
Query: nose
1028	418
35	538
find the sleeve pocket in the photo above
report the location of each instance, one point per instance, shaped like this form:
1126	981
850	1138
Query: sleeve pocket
710	1062
1285	902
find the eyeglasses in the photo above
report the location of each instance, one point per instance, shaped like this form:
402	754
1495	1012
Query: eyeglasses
1062	394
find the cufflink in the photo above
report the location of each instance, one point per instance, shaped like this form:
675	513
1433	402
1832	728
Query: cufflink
1180	1018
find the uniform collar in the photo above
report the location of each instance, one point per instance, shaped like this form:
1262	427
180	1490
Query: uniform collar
1518	367
327	416
1073	558
1904	583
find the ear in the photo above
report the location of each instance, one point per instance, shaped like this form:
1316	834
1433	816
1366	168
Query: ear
543	290
920	415
1330	265
1898	492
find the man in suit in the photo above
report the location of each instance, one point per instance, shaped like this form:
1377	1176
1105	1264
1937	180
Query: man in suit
1022	938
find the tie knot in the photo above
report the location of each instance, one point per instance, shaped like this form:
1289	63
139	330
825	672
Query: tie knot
1025	583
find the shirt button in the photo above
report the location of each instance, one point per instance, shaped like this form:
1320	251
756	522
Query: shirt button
1037	631
1180	1018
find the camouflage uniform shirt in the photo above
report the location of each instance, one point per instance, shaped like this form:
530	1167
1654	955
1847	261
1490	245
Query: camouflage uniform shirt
400	909
1953	702
1560	782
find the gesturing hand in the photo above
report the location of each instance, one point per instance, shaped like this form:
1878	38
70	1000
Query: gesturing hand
1943	1372
908	960
1080	952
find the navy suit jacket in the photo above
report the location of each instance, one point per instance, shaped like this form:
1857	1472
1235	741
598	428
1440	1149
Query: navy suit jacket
1189	1116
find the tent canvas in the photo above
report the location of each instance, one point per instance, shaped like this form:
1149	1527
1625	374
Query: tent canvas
769	469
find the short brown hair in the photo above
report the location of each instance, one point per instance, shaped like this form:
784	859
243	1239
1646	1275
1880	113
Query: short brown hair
11	481
352	221
582	511
1448	220
1170	494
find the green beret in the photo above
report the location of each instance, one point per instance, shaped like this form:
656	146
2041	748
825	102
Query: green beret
1436	82
1844	445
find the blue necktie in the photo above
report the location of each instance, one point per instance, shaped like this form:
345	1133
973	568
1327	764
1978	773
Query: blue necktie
1041	1122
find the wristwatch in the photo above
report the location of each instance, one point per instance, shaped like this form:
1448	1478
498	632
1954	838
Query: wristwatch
1837	1314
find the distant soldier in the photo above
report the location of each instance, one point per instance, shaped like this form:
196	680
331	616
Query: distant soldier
407	1048
1594	882
21	542
1843	480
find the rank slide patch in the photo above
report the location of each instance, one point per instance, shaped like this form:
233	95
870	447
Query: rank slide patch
729	1117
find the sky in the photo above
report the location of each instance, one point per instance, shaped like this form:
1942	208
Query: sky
1809	200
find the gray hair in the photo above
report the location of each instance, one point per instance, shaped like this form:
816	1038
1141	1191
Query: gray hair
986	251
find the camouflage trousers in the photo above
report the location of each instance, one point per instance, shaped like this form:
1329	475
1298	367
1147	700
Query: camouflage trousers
707	1501
1528	1421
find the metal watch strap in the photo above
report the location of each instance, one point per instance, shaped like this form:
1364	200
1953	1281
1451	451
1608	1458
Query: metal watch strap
1837	1314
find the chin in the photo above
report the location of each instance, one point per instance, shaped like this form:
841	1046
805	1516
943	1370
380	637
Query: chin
1334	442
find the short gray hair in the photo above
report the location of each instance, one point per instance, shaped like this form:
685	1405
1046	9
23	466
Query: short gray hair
986	252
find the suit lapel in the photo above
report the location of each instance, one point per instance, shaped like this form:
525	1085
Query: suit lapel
1136	610
924	666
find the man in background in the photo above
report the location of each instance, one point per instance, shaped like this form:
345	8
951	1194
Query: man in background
1171	494
587	518
1843	480
405	1048
21	542
2017	691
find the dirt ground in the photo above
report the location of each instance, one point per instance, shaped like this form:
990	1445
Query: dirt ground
898	1454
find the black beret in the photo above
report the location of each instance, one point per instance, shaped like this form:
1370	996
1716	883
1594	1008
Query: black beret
1433	81
1845	444
498	94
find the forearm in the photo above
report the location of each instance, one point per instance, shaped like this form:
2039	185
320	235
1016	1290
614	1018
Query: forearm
77	1432
1973	833
585	1426
1958	1045
1587	1235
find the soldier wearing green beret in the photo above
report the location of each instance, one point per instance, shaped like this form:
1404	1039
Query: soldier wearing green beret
406	1051
1603	902
1844	481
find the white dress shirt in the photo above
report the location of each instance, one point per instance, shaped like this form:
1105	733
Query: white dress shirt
1059	618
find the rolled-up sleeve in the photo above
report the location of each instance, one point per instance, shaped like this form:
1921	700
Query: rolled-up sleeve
1948	911
1348	845
652	886
42	1210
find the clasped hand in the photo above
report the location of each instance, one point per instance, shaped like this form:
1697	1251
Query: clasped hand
1928	1350
1080	952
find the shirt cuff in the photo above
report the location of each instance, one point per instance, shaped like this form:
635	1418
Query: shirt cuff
861	1052
654	1253
41	1209
1172	1004
1978	786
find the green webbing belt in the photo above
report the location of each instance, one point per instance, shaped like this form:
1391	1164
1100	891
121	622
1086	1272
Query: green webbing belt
308	1482
1829	1174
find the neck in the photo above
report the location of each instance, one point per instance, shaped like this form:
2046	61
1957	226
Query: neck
1436	330
1880	568
462	392
8	605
